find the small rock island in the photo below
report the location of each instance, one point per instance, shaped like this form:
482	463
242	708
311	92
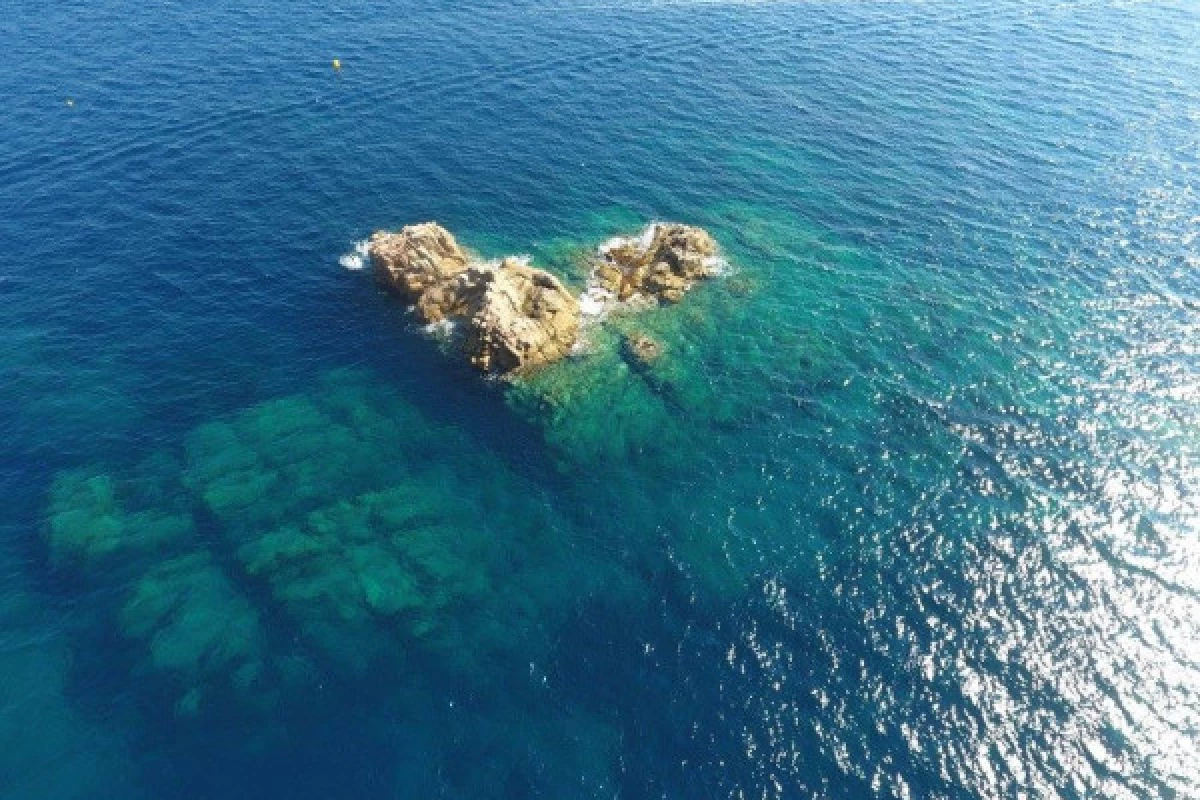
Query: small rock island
663	263
514	317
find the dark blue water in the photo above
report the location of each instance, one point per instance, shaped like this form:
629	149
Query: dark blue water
909	507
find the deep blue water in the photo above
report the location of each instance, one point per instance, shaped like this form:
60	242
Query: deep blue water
910	507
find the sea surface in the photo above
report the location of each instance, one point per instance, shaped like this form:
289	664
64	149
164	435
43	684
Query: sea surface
909	507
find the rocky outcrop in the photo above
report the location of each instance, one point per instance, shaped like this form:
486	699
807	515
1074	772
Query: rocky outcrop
524	317
663	263
513	317
416	259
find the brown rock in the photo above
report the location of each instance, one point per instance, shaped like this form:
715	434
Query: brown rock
515	317
416	259
610	277
665	263
524	318
459	296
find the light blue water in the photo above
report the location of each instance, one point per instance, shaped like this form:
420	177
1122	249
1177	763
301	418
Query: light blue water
909	508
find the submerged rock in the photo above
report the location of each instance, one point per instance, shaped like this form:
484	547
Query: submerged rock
417	258
198	629
663	263
94	517
642	347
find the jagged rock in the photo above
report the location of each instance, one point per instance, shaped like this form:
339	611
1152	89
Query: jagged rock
515	317
416	259
524	318
665	262
458	297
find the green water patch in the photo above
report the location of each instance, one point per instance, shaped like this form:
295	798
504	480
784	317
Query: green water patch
801	403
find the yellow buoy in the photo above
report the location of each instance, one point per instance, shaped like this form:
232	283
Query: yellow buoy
337	64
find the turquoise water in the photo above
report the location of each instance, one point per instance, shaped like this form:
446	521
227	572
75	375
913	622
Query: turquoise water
908	508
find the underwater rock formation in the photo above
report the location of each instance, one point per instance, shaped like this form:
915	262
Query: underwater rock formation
641	347
378	535
134	537
89	521
339	535
415	259
197	628
663	263
374	576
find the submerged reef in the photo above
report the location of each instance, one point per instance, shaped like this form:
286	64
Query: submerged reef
136	535
197	628
514	317
89	520
370	536
370	577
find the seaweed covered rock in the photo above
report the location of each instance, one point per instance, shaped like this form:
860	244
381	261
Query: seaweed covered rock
372	576
334	534
93	516
133	535
416	258
642	348
299	452
664	262
270	460
378	533
198	630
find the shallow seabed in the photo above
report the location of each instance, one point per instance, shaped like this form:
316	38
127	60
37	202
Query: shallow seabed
909	506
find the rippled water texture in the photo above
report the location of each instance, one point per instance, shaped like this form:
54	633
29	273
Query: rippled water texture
909	506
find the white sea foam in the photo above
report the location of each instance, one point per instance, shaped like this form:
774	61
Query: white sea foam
612	244
647	237
442	329
356	259
717	265
595	301
642	241
494	263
